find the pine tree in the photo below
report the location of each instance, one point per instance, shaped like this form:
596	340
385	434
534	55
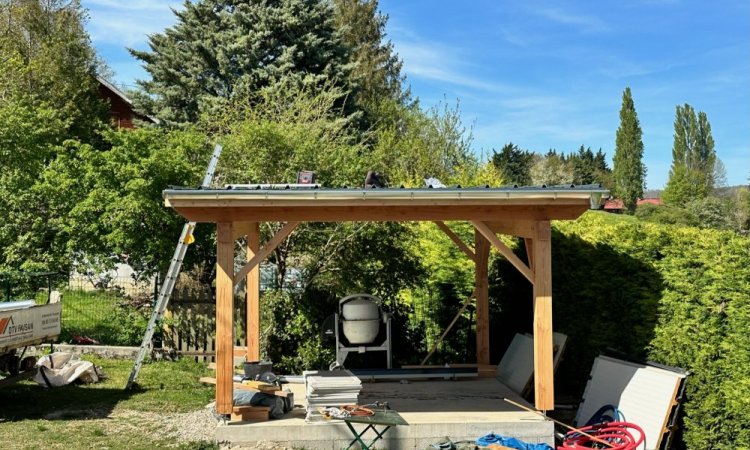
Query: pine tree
218	48
692	175
629	173
514	164
377	68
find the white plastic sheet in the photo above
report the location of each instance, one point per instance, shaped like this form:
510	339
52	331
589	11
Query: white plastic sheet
61	368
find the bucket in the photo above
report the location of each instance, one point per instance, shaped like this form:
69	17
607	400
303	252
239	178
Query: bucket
253	369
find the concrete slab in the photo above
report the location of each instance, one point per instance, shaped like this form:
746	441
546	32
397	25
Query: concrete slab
436	411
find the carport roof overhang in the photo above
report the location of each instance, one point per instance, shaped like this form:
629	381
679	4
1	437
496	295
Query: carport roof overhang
332	205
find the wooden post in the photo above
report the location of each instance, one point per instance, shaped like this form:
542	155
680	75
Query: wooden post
253	295
482	253
224	313
544	394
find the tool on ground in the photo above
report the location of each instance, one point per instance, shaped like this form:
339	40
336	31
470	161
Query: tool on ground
592	437
160	305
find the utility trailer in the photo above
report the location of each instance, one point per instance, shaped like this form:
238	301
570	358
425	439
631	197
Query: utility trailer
24	323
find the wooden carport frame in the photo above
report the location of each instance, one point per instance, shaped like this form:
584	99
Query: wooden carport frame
522	212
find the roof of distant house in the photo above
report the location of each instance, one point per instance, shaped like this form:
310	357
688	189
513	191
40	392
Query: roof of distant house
613	204
650	201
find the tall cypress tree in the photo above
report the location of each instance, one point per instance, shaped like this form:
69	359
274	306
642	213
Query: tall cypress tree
218	47
628	172
691	176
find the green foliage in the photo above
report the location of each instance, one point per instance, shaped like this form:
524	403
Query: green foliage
514	164
48	62
424	144
679	294
551	169
28	140
629	172
108	202
376	70
666	214
218	48
692	175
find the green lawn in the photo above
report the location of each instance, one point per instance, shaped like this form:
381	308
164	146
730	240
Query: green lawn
103	415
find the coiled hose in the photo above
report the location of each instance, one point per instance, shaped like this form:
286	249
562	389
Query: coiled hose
619	435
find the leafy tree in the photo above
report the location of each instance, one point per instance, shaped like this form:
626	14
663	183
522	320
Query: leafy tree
425	143
692	175
551	169
218	48
29	137
118	213
514	164
48	62
629	172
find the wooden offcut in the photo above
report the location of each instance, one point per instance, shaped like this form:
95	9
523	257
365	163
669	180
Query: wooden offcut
250	413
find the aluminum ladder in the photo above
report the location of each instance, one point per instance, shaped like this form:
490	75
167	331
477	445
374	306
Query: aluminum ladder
174	270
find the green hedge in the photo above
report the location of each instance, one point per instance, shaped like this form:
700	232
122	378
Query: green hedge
678	295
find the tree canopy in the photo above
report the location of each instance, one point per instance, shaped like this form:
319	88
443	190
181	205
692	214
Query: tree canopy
692	175
220	47
628	172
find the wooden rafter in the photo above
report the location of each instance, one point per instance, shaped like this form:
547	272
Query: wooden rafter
502	248
456	239
263	253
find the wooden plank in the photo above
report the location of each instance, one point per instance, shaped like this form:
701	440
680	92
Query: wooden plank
481	292
456	239
235	385
270	246
544	395
520	228
502	248
250	414
224	319
380	213
253	295
448	328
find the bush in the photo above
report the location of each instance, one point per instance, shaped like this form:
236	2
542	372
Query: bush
679	295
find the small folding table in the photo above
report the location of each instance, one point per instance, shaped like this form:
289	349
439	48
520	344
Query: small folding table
383	418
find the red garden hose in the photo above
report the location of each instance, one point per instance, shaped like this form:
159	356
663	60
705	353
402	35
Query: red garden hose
619	435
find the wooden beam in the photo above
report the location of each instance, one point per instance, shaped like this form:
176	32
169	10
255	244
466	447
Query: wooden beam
481	292
544	395
520	228
252	331
224	319
397	213
529	244
270	246
502	248
456	239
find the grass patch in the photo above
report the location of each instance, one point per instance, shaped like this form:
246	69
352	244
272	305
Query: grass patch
101	415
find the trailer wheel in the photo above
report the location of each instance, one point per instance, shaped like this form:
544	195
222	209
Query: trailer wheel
28	363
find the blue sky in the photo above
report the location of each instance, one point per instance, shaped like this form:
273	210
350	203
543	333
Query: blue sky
543	74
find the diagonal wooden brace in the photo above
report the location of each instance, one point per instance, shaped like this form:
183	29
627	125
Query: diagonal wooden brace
502	248
263	253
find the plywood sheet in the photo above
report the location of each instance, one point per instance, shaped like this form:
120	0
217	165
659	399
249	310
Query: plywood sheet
517	366
644	394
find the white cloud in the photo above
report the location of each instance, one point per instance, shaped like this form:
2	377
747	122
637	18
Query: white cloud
436	62
586	22
128	23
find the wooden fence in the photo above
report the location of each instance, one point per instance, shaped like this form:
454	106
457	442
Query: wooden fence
190	323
